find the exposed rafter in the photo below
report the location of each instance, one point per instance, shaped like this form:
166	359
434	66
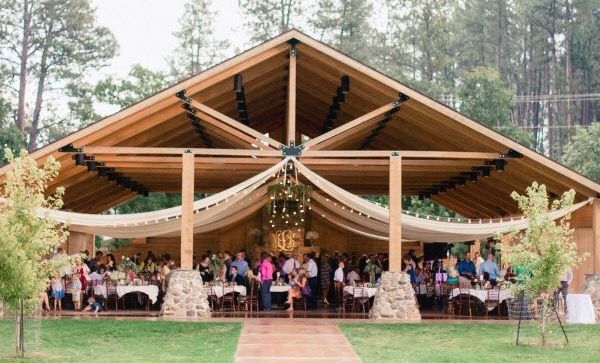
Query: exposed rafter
336	103
240	99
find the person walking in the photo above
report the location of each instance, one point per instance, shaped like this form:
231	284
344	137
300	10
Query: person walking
266	279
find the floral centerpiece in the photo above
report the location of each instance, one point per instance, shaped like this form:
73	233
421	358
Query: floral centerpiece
372	268
216	266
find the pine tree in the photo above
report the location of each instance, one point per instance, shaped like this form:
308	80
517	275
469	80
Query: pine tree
268	18
197	47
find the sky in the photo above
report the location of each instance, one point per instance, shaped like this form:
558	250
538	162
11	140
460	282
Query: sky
144	30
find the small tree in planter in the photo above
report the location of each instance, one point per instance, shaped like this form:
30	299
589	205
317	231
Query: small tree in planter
543	251
26	240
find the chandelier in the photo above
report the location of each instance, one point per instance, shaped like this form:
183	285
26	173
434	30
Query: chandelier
289	201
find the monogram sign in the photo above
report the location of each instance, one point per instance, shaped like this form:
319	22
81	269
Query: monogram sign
286	240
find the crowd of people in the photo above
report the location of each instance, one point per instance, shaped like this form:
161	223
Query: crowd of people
310	276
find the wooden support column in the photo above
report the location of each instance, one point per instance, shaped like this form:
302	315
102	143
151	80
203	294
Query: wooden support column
187	211
395	248
596	234
291	104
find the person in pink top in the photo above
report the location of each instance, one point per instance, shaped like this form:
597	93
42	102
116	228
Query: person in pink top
265	270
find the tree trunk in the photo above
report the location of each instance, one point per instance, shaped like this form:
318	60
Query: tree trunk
568	66
20	331
35	121
23	59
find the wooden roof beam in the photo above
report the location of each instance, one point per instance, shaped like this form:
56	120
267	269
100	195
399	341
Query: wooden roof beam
229	123
342	132
118	150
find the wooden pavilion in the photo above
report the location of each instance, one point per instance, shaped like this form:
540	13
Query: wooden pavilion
295	96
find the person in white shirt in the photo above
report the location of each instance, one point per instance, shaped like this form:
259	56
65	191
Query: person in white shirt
338	275
290	265
478	260
312	272
352	276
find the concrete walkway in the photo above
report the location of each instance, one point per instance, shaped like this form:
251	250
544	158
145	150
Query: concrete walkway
293	340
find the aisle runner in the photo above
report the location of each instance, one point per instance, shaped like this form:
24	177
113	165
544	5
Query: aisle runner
293	340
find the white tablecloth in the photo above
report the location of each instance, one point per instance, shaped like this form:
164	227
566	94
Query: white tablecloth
100	290
483	294
360	291
580	309
218	290
280	288
150	290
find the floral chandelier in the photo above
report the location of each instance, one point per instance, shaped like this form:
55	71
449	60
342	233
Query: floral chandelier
288	201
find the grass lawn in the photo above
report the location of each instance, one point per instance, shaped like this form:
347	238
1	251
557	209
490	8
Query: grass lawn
110	340
468	342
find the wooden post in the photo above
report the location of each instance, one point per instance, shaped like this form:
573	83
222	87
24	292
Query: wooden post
291	104
395	249
187	211
596	234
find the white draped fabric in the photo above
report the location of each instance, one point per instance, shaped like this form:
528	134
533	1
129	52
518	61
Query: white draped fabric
336	205
213	212
376	217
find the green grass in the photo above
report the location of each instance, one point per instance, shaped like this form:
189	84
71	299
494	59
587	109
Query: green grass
110	340
469	342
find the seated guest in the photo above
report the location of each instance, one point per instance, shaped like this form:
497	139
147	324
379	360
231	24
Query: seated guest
408	267
466	267
510	275
299	288
452	271
338	275
97	277
290	264
235	277
353	276
240	264
204	268
94	306
419	276
491	268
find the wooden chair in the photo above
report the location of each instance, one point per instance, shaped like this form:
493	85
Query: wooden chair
111	294
213	299
361	300
228	298
465	298
338	291
492	301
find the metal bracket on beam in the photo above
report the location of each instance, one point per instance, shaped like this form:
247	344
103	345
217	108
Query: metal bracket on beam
511	154
181	95
69	148
293	43
291	150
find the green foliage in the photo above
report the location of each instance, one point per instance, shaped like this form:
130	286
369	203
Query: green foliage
114	91
197	47
543	251
154	201
345	25
583	153
10	138
26	240
414	204
268	18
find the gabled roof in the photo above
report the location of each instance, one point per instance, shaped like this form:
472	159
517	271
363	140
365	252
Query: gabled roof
421	123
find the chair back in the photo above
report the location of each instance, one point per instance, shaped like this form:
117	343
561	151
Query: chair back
493	294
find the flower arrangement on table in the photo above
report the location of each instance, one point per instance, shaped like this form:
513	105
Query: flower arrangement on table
216	266
372	268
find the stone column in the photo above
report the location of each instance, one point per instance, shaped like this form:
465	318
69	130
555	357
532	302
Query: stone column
395	299
592	287
185	296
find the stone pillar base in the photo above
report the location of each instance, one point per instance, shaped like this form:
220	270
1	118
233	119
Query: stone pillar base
395	299
185	297
592	287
